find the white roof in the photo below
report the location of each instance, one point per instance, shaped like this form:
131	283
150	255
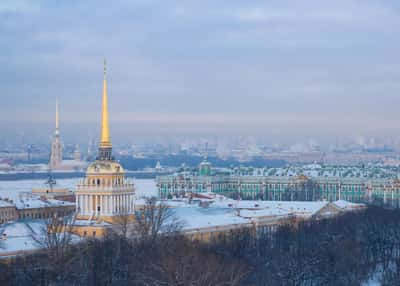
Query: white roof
33	203
20	236
263	213
347	205
5	204
196	217
287	206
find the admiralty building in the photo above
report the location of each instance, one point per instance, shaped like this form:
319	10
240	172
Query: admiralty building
312	186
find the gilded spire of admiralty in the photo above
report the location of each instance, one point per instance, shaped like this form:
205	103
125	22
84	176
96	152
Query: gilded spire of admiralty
105	131
105	142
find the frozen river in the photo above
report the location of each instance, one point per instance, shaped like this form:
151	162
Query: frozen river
11	189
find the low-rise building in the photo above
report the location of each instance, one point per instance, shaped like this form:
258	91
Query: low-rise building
33	208
8	211
56	194
29	206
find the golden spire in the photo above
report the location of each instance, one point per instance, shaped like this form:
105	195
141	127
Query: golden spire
57	118
105	131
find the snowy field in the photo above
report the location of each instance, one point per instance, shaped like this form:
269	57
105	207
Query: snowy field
11	189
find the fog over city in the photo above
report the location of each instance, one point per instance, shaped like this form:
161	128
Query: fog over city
281	70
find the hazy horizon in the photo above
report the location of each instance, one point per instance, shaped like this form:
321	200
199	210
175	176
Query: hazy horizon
286	70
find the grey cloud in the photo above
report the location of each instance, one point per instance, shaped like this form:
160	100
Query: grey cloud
244	65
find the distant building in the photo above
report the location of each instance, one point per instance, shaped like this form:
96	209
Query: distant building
56	157
8	211
57	194
383	191
77	153
56	146
205	167
28	206
158	167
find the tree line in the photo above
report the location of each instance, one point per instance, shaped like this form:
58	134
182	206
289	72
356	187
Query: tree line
350	249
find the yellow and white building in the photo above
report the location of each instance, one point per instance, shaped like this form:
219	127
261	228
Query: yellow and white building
104	193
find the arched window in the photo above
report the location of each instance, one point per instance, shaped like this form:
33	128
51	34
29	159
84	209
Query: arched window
98	181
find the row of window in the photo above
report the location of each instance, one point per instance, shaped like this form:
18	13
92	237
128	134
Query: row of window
106	182
43	215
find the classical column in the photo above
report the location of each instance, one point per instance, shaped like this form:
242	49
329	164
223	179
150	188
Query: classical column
86	204
77	204
128	207
123	204
119	204
107	204
81	204
82	208
101	204
111	204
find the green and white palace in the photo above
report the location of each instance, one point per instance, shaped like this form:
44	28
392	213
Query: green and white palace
282	187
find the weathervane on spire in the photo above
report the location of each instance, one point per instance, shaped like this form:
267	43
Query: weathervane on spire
105	68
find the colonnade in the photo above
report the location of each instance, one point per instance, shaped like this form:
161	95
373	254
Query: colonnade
112	204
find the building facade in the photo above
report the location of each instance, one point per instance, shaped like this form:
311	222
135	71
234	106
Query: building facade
8	211
384	191
30	207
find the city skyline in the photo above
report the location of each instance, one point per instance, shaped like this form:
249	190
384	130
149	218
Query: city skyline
286	71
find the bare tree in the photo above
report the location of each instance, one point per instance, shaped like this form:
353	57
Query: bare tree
122	223
155	218
54	235
182	262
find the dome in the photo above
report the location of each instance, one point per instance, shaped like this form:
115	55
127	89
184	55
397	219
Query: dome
105	167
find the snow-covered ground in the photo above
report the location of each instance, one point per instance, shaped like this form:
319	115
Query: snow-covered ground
20	236
11	189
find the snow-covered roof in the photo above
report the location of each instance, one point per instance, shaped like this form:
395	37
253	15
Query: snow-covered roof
270	212
287	206
33	203
195	217
20	237
5	204
348	205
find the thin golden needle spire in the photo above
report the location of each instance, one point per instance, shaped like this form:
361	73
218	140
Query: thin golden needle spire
105	131
57	118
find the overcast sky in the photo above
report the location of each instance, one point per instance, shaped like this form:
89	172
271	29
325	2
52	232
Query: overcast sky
309	68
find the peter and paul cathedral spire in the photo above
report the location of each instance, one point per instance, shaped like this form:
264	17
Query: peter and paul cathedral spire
56	144
105	146
57	131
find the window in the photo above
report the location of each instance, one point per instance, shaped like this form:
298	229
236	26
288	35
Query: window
94	234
